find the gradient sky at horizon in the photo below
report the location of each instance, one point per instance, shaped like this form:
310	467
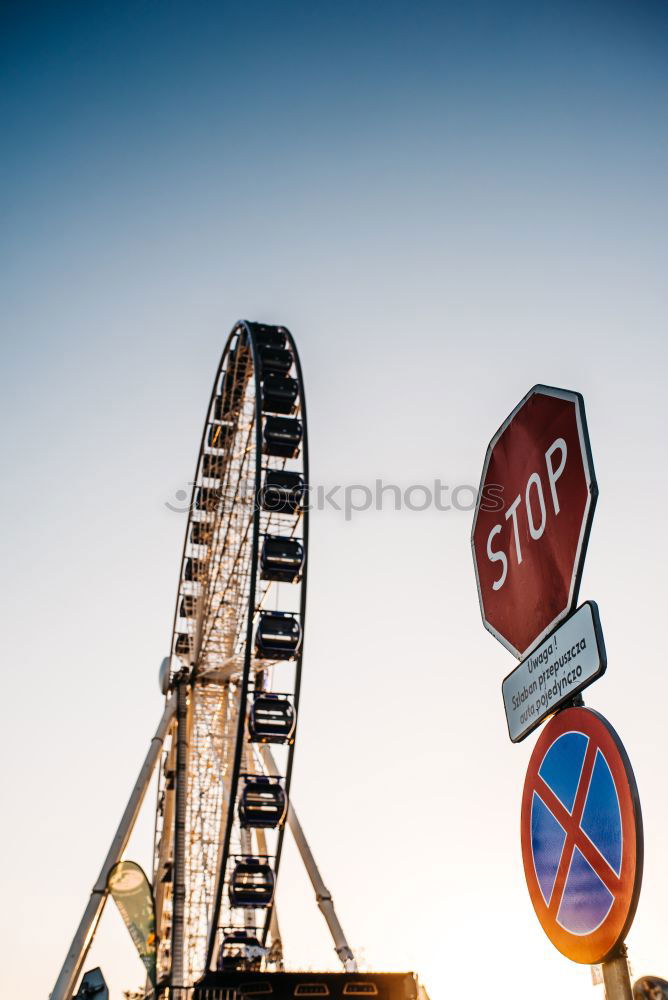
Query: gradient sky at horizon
446	204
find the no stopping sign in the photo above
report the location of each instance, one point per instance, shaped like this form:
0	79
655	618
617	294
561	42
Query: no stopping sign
582	838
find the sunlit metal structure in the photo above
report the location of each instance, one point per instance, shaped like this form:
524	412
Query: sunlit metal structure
238	635
225	745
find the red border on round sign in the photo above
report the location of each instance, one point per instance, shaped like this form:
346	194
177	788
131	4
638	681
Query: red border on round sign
602	943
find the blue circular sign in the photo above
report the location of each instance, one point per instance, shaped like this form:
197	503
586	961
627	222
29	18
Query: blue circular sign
582	835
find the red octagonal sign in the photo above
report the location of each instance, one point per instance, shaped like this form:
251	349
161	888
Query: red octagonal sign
533	516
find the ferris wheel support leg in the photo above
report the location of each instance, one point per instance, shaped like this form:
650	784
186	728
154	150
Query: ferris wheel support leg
322	894
180	806
86	931
276	949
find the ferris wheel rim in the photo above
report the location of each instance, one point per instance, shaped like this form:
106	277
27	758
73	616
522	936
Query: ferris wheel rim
302	612
193	492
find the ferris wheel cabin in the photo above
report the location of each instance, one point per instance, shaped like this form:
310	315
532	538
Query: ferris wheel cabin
281	559
271	718
278	636
262	804
282	436
240	950
283	491
252	883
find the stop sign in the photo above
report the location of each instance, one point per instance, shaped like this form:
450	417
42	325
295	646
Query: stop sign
533	516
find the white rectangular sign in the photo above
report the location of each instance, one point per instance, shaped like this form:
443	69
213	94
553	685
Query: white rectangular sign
571	658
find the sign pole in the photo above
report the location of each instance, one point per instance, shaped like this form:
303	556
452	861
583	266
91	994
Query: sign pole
616	978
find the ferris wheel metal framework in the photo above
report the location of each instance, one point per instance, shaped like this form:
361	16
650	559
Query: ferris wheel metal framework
246	546
226	740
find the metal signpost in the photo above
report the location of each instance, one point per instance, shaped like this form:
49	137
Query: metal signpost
582	838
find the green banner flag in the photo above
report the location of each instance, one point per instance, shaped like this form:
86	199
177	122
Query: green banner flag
132	893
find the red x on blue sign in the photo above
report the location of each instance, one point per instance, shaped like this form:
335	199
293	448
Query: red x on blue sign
582	835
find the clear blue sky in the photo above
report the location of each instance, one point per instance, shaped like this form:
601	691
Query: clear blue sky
446	203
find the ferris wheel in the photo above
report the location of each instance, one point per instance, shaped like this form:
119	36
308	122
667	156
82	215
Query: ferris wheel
236	664
206	925
225	743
